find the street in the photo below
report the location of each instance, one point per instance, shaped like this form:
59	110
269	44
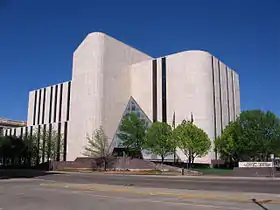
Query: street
188	183
26	194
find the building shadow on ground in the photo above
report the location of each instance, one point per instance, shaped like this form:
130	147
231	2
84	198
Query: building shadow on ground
22	173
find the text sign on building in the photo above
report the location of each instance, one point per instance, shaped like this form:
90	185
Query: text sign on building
255	164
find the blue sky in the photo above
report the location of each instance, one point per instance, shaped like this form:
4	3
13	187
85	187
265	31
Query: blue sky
37	39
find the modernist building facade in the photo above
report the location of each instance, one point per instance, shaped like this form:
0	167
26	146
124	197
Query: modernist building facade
110	79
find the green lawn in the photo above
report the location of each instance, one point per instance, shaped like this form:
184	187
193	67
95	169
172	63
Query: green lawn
213	171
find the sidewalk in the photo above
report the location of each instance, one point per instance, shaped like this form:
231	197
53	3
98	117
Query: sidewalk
212	177
172	176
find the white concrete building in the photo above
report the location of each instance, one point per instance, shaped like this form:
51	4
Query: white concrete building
110	78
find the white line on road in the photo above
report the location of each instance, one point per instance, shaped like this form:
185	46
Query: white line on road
142	200
207	206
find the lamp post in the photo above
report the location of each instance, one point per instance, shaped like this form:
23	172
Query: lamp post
50	164
273	167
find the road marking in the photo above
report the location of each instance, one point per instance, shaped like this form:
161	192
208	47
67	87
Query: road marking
166	201
181	195
207	206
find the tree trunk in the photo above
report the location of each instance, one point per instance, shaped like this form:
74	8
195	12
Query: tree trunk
104	164
189	162
190	159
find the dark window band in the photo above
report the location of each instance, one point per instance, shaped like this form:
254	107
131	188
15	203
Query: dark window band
58	142
21	133
26	132
154	78
50	111
65	140
164	107
55	103
49	142
35	107
44	106
60	103
214	99
44	143
68	101
38	144
31	131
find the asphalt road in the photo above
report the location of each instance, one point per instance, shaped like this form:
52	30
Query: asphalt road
187	183
17	194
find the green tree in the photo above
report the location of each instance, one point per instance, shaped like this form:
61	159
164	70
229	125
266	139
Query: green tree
252	137
132	132
229	147
262	129
11	150
51	144
159	140
98	147
31	151
193	141
43	146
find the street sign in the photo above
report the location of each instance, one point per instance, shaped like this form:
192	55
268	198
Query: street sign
255	164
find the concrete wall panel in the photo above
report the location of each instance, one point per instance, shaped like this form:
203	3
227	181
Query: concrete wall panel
64	102
217	90
230	96
47	105
86	94
190	90
236	93
30	108
116	81
141	86
224	94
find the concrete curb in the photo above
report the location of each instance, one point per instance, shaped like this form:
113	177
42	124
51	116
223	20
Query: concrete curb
174	176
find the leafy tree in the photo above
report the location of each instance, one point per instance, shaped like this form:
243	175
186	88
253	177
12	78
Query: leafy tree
193	141
51	144
31	151
11	150
43	146
252	137
28	150
98	147
159	140
132	132
228	146
262	129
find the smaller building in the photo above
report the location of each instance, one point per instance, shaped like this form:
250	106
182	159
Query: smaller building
6	124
